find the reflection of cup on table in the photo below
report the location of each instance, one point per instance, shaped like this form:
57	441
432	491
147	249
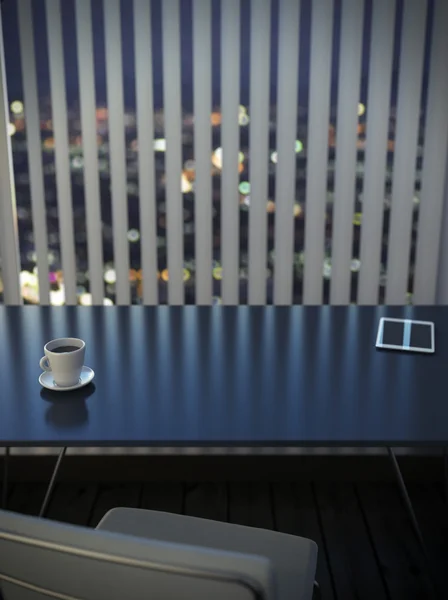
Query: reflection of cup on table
64	357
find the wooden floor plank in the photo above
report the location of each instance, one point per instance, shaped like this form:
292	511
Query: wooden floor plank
400	557
250	504
442	492
296	513
27	498
372	551
354	567
113	496
167	497
9	493
206	500
72	503
432	514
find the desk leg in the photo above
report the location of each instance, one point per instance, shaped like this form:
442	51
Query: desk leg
410	509
47	498
5	478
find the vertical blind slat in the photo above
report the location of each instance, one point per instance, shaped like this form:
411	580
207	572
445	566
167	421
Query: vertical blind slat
408	116
230	91
381	54
90	151
285	181
317	154
37	190
9	246
202	89
114	88
346	151
61	151
434	163
259	147
145	135
173	161
442	274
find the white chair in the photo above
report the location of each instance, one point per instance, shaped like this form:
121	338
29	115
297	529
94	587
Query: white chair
134	554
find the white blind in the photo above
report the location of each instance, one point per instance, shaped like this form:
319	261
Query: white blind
173	161
380	74
318	121
61	149
89	144
259	147
230	92
288	66
9	251
386	158
442	280
115	102
346	139
202	91
434	163
408	115
37	192
145	136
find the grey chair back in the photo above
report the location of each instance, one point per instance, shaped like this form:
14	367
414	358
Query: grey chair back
42	559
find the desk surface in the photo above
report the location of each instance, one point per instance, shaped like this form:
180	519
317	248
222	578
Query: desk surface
224	377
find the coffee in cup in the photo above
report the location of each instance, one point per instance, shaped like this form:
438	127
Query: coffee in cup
64	357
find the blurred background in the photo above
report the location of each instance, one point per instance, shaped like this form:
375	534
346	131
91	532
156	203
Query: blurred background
355	117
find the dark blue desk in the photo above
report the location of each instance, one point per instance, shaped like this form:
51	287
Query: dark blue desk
224	377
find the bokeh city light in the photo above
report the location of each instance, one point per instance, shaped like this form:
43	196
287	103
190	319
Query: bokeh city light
160	145
244	187
16	107
191	216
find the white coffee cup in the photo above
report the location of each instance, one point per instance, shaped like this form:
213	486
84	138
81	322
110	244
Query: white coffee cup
65	365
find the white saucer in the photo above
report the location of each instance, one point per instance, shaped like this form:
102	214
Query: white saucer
46	379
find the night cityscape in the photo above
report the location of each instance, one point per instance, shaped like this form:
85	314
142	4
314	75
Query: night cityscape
187	180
